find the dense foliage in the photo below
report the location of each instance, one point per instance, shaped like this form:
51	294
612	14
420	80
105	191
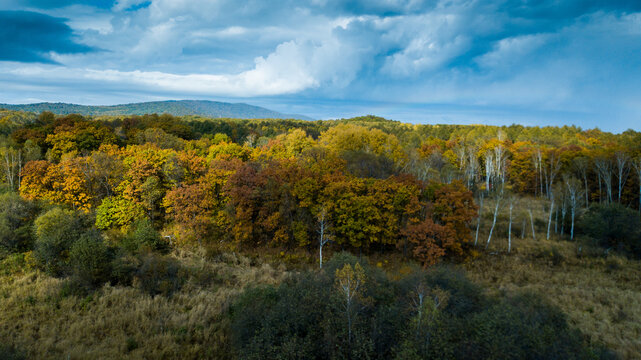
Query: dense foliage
613	226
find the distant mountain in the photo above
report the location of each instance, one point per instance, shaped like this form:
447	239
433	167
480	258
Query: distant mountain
213	109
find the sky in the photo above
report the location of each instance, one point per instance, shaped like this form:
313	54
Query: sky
530	62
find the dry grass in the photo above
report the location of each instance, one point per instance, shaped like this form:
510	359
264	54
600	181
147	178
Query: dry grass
124	322
601	295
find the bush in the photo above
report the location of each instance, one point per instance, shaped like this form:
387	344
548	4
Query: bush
16	221
123	269
10	353
144	236
56	230
159	275
89	258
613	226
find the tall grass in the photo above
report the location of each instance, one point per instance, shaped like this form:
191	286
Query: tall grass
124	322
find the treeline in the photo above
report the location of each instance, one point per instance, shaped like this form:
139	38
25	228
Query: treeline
363	184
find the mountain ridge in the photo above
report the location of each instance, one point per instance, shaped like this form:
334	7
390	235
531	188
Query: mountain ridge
205	108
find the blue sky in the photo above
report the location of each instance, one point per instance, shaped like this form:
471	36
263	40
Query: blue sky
533	62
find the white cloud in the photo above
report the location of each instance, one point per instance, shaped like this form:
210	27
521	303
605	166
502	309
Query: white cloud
446	51
514	49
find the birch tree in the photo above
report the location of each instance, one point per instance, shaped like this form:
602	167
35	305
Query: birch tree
323	234
537	159
532	223
573	189
551	170
12	162
550	214
472	167
498	198
478	220
489	170
604	168
349	283
511	200
581	165
622	161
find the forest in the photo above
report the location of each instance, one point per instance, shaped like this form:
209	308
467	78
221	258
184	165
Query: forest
188	237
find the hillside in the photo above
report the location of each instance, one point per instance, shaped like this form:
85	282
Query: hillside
204	108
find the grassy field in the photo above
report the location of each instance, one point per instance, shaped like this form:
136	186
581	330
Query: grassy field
40	322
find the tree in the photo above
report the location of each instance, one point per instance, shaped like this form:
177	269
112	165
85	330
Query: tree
453	206
11	161
529	210
478	220
348	137
637	167
581	166
613	226
604	170
430	241
511	201
573	188
198	208
551	169
90	258
497	198
118	212
62	183
55	232
349	283
550	214
16	220
322	233
623	170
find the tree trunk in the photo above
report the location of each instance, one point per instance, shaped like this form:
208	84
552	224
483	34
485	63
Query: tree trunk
496	211
572	228
587	191
478	222
550	217
532	224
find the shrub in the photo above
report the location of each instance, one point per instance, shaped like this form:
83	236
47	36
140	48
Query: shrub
89	258
159	275
16	221
10	353
613	226
56	230
144	236
123	269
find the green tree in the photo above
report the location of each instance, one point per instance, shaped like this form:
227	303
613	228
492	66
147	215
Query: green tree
56	230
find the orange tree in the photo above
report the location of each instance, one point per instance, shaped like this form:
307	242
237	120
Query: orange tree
444	230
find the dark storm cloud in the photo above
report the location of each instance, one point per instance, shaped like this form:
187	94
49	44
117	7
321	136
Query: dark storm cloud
51	4
29	37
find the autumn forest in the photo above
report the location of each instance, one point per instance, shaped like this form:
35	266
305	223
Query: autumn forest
191	237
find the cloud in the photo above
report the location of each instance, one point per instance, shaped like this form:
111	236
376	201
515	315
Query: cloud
537	57
54	4
31	37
